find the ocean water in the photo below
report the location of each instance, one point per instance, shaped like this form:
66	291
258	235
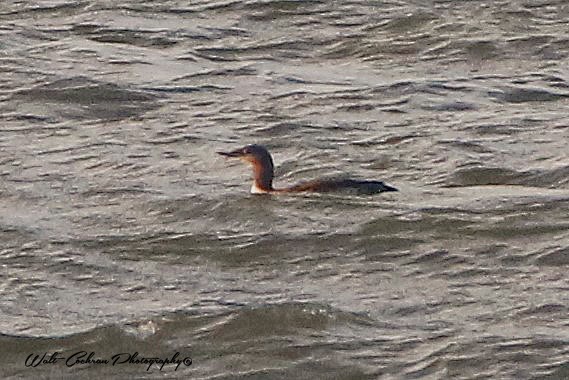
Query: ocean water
125	237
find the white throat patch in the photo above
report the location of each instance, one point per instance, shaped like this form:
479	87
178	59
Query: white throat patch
257	190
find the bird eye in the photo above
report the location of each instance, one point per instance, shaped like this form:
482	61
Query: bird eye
246	151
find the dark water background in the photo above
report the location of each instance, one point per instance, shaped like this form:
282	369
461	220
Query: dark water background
122	231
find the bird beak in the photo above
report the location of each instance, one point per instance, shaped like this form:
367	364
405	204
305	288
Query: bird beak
235	153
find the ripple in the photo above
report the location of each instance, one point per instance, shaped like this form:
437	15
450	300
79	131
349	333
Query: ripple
486	176
526	95
558	257
72	96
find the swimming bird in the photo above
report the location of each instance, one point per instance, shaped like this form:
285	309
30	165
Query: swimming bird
263	172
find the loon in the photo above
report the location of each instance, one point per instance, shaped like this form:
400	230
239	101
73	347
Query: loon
260	158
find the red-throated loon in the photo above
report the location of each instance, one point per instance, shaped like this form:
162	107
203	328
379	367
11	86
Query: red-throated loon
262	162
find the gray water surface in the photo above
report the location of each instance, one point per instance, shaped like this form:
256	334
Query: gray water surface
122	230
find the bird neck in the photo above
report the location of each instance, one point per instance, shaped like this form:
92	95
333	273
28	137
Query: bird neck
262	176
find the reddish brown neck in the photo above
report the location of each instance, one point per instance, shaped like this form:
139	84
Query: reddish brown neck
263	175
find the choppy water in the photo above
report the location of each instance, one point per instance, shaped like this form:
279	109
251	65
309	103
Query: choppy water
122	231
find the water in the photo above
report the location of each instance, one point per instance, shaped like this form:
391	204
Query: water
123	232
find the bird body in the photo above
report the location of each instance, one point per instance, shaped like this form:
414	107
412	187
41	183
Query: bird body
263	174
